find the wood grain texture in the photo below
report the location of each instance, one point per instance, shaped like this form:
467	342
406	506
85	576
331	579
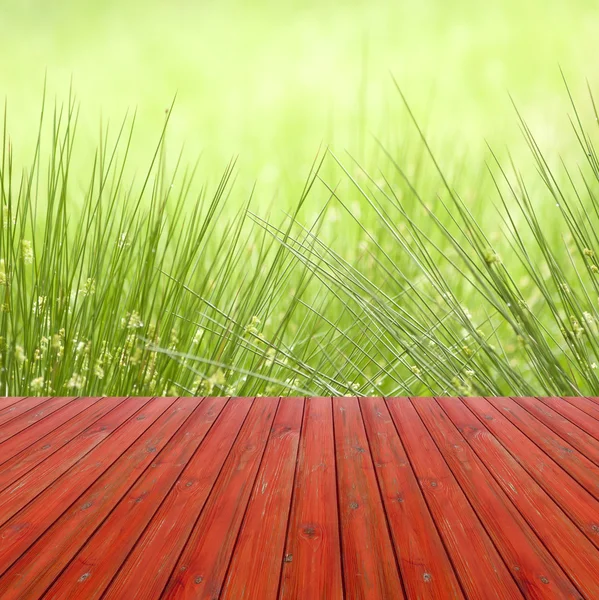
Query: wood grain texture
8	401
20	531
45	425
166	535
92	570
299	499
479	567
574	500
312	563
560	449
12	411
424	564
35	481
537	574
579	439
369	563
32	416
577	416
36	569
567	544
586	405
201	568
254	570
30	457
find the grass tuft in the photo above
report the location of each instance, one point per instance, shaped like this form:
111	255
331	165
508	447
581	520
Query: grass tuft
407	279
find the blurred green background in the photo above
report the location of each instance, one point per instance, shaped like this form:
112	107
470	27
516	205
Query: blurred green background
271	81
348	307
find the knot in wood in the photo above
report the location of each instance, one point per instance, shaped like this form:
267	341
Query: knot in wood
309	531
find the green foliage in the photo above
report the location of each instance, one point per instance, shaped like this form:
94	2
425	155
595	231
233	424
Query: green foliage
414	280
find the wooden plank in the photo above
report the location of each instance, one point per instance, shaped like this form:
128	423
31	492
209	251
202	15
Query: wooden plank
479	567
576	502
8	401
24	528
464	510
312	567
368	557
165	536
535	571
14	497
35	432
255	567
594	399
18	424
577	416
15	410
425	567
36	569
92	569
585	405
563	427
32	456
558	448
201	569
573	551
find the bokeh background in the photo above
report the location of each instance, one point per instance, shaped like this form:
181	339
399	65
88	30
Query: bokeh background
458	275
270	81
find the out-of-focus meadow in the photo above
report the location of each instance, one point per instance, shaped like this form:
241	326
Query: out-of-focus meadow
186	291
270	81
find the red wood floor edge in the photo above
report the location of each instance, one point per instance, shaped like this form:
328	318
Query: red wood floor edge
307	498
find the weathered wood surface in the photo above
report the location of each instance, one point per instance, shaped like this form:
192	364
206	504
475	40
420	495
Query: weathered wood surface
299	498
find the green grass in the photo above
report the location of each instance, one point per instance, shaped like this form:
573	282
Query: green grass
349	247
400	284
270	82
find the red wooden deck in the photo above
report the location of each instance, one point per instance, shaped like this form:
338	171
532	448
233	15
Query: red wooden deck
291	498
